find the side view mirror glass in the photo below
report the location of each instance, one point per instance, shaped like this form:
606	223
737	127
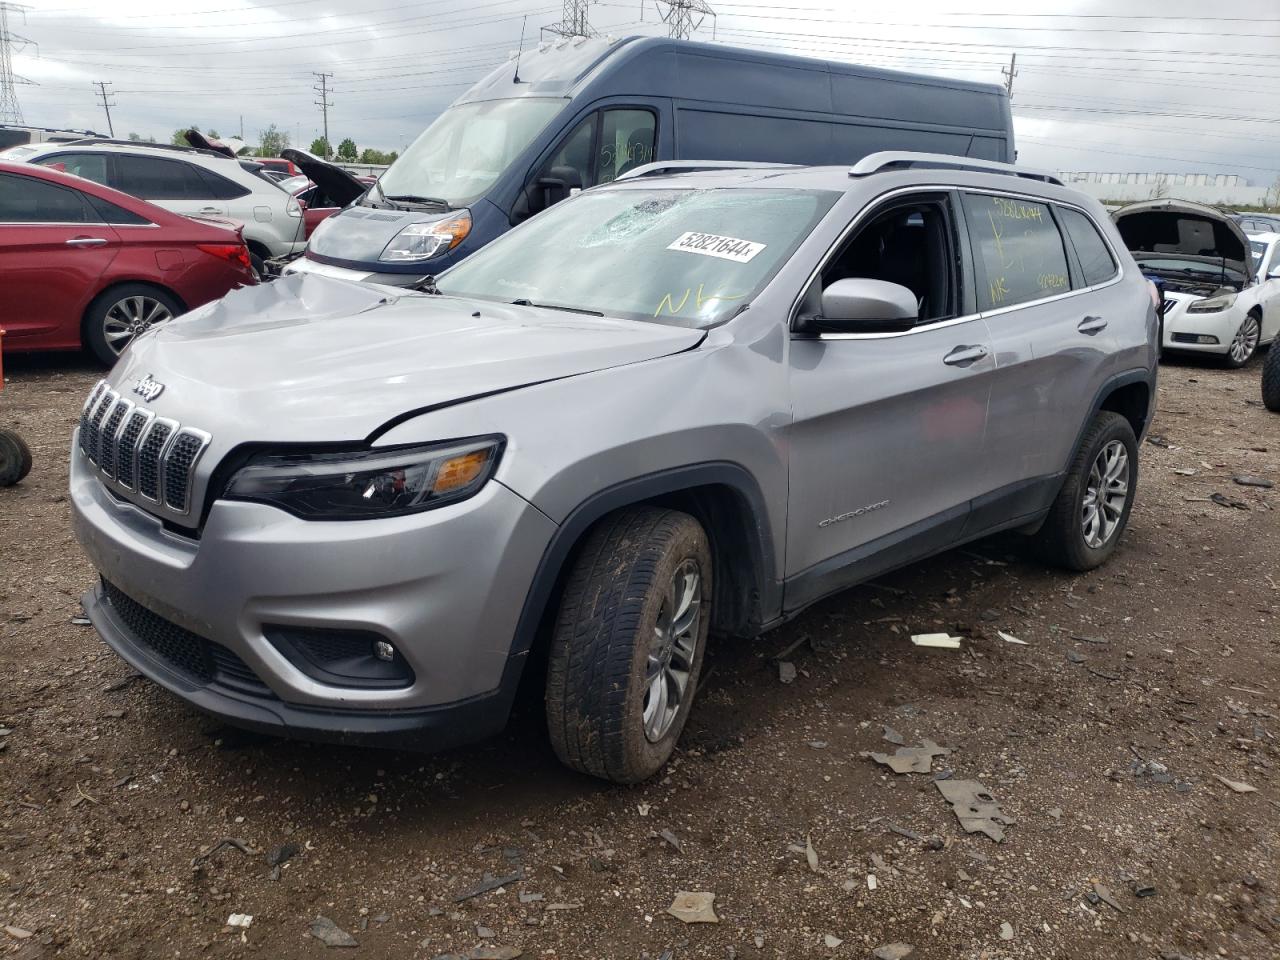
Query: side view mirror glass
558	184
1275	273
863	305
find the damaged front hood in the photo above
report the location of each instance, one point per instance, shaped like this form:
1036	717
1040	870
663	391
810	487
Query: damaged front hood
1183	230
311	358
337	184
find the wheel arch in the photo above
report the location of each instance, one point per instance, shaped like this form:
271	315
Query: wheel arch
723	497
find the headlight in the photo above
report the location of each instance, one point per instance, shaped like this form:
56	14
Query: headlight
422	241
1212	304
357	485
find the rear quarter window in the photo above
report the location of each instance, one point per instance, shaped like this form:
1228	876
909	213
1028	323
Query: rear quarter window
1018	252
1096	262
220	187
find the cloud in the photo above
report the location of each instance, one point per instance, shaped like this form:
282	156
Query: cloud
1180	90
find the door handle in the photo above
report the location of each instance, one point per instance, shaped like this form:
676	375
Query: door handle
86	242
210	209
962	356
1091	325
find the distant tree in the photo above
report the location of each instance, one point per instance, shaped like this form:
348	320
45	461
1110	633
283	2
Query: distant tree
320	147
370	155
135	137
272	140
179	137
347	149
391	157
1271	199
211	134
1161	188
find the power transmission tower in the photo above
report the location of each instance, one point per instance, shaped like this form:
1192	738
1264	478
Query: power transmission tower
10	109
682	17
1010	72
324	103
103	93
573	21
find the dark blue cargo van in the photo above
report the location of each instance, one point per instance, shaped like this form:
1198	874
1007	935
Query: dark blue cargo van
568	115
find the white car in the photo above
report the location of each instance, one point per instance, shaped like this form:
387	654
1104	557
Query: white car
1221	288
200	183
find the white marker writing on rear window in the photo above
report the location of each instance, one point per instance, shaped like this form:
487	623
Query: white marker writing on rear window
711	245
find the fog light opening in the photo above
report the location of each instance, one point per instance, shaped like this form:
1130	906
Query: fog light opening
383	650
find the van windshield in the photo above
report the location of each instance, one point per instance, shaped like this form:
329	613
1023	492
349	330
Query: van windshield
689	258
458	158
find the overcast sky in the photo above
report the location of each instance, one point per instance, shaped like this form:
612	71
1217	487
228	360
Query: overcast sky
1172	87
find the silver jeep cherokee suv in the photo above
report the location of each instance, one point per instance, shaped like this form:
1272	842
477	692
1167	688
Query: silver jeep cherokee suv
693	401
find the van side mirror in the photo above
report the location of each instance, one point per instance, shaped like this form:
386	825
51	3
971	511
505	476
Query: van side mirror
1275	273
863	305
557	185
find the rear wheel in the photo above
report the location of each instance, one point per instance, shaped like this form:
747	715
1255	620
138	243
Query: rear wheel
1092	508
628	643
15	458
120	314
1245	343
1271	378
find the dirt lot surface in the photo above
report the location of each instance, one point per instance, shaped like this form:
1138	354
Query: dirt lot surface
1102	740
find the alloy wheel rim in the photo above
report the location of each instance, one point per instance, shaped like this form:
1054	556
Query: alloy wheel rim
1246	340
1105	495
131	317
673	648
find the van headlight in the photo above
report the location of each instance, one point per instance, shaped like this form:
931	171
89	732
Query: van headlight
366	484
422	241
1214	304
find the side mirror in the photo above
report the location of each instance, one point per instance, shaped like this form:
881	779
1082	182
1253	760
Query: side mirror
863	305
559	184
1275	273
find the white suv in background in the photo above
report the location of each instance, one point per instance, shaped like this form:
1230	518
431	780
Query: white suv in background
191	182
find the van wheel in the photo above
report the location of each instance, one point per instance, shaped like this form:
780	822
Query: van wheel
1271	378
628	643
1092	508
15	458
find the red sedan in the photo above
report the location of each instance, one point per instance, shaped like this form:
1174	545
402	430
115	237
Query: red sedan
84	265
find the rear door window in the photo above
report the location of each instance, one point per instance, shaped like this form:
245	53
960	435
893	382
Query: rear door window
1092	251
1018	251
154	178
28	200
91	166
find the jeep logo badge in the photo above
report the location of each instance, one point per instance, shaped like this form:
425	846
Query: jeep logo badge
148	388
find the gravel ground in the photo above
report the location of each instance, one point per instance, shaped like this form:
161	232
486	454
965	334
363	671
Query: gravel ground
1101	740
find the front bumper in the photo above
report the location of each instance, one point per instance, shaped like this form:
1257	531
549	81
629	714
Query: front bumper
1183	329
445	587
307	265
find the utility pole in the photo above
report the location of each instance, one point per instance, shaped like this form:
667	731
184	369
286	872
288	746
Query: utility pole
324	103
683	17
1010	72
103	92
573	21
242	127
10	109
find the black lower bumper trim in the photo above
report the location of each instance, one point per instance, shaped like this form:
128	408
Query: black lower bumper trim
427	730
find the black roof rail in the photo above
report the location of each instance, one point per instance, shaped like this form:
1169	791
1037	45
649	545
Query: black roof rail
139	144
907	160
661	167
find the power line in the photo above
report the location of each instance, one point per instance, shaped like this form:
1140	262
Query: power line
10	109
573	21
104	93
683	17
324	103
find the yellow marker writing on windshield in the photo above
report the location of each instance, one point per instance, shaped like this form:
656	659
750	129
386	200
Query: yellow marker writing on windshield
672	307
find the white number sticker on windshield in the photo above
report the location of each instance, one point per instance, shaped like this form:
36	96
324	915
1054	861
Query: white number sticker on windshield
711	245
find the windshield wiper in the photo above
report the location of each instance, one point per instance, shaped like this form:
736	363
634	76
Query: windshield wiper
414	198
553	306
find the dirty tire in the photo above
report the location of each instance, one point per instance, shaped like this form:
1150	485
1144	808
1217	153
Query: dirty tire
1061	540
612	605
258	264
15	458
1271	378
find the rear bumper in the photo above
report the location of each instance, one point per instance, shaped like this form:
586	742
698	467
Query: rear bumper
435	728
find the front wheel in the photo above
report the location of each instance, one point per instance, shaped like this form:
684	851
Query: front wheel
1092	508
1245	343
1271	378
628	643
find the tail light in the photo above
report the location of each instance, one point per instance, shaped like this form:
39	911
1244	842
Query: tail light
292	208
236	253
